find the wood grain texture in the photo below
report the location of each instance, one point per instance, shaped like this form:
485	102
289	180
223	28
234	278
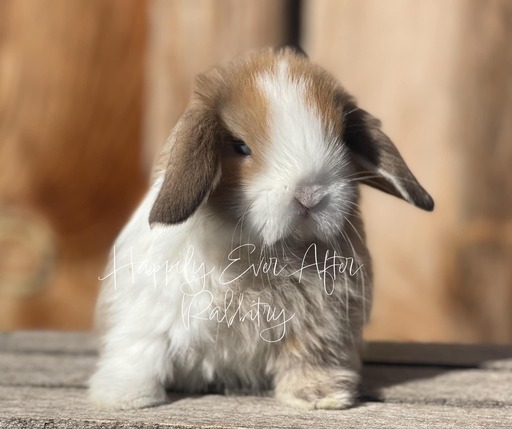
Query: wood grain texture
439	75
71	82
75	80
482	269
478	387
43	384
67	408
84	84
189	37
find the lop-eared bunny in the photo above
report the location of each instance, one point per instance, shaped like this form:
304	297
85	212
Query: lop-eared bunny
245	268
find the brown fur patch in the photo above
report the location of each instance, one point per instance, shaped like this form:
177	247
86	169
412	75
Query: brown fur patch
244	111
232	106
323	94
343	120
244	115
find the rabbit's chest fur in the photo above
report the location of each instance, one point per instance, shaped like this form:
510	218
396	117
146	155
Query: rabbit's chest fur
227	315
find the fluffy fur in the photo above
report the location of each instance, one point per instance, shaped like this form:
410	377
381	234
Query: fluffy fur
254	274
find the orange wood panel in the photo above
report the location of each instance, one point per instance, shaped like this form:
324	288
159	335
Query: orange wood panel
439	75
71	106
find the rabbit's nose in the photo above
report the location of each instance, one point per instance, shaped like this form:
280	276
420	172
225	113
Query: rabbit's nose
310	196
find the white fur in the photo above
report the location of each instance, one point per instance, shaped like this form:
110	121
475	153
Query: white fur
149	340
302	153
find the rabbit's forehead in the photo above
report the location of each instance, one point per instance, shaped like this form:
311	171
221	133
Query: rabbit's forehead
296	109
283	99
246	111
303	121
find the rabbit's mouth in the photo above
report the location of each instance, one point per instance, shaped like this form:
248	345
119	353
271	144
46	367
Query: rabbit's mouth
315	219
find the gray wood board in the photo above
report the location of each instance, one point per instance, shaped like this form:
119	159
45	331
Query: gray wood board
390	383
375	352
43	378
460	355
66	408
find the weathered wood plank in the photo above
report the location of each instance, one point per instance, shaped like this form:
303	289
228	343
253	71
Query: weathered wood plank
398	384
413	385
398	373
66	408
43	379
48	342
441	386
44	370
457	355
464	355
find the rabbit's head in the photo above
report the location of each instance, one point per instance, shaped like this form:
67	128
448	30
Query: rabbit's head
273	141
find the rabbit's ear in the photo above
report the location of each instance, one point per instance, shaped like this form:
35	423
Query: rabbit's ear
378	162
193	166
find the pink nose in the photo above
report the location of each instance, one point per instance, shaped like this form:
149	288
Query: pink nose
309	196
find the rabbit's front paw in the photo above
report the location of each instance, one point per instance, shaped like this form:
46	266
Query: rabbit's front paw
318	388
106	392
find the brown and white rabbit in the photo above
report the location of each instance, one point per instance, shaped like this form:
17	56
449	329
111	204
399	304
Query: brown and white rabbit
245	268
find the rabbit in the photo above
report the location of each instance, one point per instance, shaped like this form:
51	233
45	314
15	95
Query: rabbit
245	268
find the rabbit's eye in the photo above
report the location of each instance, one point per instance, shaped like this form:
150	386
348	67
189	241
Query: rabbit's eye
241	148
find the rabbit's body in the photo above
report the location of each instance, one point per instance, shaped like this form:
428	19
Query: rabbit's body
263	280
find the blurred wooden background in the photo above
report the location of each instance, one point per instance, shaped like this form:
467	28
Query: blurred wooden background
89	90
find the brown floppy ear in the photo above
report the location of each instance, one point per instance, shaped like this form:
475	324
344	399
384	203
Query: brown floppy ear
377	160
192	167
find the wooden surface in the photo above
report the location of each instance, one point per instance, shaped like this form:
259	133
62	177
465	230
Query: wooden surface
43	379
